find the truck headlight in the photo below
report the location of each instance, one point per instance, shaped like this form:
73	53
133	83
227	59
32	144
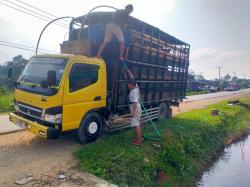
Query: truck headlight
16	107
53	115
57	118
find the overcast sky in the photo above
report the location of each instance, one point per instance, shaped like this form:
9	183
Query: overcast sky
217	30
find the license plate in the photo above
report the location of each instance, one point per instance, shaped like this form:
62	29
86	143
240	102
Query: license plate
21	124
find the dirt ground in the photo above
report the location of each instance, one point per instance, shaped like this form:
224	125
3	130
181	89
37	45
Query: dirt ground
50	162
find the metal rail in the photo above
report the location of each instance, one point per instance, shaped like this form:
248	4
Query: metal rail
39	38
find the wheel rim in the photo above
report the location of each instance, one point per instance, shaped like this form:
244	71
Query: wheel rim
93	127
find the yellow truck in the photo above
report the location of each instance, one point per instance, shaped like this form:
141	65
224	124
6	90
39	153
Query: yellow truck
76	91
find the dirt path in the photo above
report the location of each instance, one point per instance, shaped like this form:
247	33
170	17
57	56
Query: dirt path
22	154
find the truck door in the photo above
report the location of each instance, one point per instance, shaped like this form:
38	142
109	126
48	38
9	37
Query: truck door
83	92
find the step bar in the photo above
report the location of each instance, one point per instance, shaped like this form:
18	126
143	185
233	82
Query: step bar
122	122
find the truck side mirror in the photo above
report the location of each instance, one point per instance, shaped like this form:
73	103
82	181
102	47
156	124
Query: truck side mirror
51	78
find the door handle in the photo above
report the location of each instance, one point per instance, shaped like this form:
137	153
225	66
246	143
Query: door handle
97	98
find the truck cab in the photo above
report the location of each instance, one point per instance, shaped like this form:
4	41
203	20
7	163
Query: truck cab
55	92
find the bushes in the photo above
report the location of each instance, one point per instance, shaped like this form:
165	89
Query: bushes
6	100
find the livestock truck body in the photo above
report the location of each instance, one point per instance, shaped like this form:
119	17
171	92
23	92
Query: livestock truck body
75	90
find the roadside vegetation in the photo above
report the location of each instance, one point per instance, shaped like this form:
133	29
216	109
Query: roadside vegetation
189	93
6	100
246	101
6	95
188	145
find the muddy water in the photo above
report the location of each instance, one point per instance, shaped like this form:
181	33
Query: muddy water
231	169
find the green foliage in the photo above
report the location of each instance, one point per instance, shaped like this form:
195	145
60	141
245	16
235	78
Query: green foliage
17	64
173	159
245	100
115	159
6	100
189	93
187	144
3	91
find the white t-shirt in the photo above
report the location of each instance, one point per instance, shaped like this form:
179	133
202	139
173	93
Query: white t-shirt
134	95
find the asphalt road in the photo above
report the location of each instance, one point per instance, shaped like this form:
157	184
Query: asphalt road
215	95
6	126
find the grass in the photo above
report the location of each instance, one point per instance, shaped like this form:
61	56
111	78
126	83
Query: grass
245	100
189	143
189	93
6	100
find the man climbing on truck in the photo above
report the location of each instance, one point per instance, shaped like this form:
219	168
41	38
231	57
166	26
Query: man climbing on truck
115	27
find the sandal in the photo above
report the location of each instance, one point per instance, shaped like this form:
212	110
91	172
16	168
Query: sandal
137	143
135	139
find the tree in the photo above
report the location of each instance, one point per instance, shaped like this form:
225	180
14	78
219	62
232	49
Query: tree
200	77
14	67
191	72
223	84
234	79
18	61
227	77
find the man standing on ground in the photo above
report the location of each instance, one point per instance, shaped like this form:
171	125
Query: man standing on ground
114	28
135	108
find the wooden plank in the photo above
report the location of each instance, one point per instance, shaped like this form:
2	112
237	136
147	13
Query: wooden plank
78	47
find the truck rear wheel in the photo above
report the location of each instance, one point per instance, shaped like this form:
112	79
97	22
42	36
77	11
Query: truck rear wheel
90	128
163	111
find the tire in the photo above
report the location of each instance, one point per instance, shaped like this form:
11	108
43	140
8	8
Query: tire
163	111
170	112
90	128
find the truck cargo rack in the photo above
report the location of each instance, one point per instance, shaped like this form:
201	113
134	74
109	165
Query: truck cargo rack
158	60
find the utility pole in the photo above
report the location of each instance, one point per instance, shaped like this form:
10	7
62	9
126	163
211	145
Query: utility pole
234	74
244	75
234	77
219	68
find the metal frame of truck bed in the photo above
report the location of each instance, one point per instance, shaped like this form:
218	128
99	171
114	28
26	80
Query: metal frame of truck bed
158	60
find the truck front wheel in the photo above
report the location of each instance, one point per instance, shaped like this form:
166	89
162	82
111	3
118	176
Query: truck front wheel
90	128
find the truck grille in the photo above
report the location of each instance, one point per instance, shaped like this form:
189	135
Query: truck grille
30	110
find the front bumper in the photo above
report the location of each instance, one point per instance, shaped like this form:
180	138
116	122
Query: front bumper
34	127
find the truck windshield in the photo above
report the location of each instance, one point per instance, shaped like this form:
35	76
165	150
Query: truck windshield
37	68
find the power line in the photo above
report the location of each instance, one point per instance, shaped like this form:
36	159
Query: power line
40	10
29	14
41	13
26	49
15	44
23	48
46	17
